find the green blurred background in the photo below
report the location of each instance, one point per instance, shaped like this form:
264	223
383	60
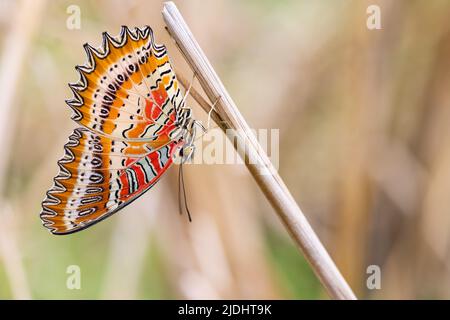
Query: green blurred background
364	148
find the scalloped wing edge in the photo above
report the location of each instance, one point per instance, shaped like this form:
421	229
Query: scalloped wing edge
101	52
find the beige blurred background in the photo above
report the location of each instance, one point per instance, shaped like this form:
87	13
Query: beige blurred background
364	148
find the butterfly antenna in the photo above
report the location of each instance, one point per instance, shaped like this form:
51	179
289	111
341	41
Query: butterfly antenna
182	192
180	210
188	91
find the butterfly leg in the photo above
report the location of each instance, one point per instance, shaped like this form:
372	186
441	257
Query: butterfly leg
200	124
210	111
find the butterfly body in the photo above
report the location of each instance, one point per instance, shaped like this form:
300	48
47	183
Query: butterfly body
134	123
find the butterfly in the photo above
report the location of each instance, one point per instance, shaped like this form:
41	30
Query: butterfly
134	123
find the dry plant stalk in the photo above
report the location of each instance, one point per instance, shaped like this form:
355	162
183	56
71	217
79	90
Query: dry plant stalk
24	25
227	116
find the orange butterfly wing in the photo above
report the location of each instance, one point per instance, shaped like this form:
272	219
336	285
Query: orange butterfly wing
127	100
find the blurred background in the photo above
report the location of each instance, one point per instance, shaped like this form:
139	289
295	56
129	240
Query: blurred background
364	148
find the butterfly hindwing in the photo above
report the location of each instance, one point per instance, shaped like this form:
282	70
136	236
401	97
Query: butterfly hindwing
98	176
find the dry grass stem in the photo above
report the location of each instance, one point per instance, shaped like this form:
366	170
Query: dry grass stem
247	146
16	45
